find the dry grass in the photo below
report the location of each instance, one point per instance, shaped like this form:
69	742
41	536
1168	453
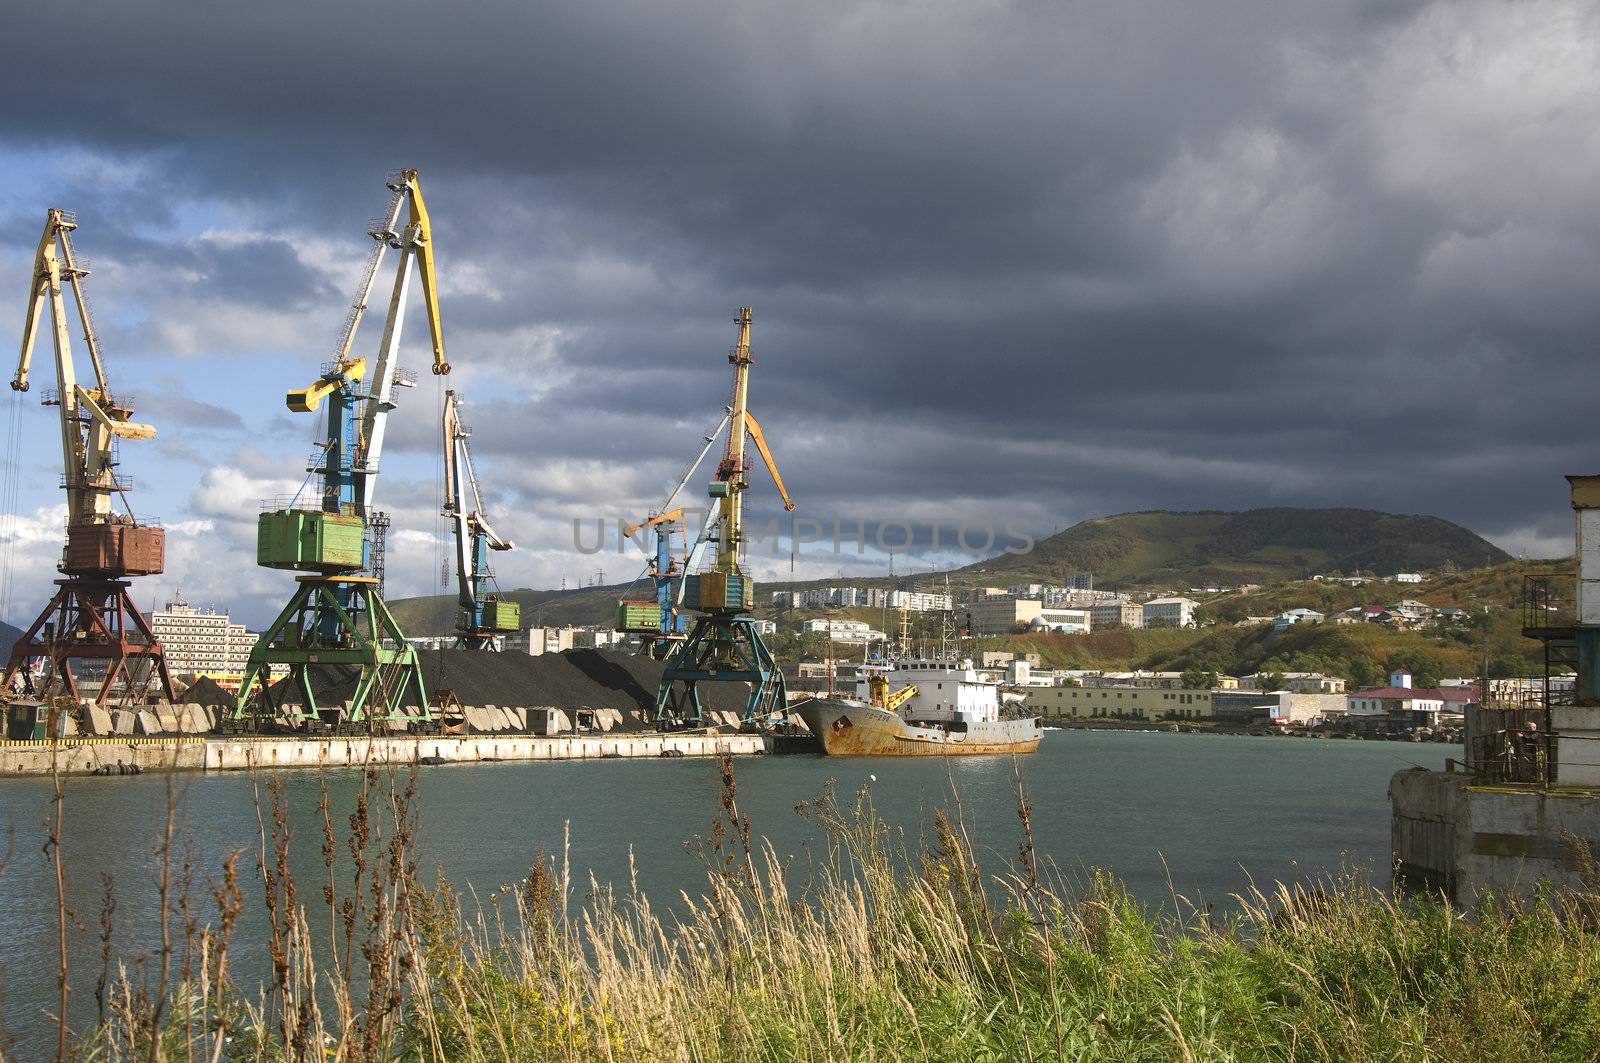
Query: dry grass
883	951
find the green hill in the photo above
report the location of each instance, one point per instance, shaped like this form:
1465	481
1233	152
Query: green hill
1154	549
1163	549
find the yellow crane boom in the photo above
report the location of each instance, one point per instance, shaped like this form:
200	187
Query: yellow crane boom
766	456
86	444
878	693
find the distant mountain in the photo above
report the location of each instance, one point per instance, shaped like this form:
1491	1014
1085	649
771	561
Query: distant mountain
1161	548
1152	549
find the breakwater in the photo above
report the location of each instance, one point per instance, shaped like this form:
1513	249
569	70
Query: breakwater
99	756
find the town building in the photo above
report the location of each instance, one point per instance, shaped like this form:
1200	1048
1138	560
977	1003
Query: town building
1403	706
860	598
1072	621
1170	612
1002	658
1116	614
1139	703
999	616
1291	617
1283	707
1141	679
841	630
1408	577
911	601
202	642
1299	682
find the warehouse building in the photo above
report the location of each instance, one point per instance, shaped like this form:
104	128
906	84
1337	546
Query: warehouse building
1138	703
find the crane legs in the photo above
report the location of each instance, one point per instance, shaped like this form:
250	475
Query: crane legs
720	649
389	686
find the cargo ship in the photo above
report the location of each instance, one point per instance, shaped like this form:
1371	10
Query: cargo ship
918	706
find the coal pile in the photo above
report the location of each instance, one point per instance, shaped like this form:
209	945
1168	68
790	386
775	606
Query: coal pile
575	679
207	692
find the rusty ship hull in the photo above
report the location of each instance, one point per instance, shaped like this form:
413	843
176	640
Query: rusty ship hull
845	727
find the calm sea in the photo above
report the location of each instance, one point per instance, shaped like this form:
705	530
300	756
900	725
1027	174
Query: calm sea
1200	815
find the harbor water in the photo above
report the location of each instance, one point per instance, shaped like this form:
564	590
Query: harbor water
1200	816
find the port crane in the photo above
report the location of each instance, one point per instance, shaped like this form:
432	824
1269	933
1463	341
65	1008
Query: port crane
336	615
484	618
724	644
91	617
660	621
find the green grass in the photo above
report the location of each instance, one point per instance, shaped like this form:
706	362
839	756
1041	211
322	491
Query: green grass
883	951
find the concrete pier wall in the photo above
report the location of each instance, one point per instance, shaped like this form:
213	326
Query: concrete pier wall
1422	828
85	756
1466	839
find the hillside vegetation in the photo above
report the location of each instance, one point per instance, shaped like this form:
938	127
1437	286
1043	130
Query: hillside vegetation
1181	550
1132	550
1360	653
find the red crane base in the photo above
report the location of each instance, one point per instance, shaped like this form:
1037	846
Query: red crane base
91	620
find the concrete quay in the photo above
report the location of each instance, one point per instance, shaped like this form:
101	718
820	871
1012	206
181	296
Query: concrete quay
1457	836
89	756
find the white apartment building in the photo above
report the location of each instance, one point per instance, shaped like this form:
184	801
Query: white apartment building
853	631
1170	612
860	598
1072	621
201	641
911	601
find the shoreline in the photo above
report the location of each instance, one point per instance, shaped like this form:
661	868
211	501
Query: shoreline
102	756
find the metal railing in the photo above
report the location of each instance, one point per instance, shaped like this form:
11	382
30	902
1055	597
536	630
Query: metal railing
1516	757
1547	602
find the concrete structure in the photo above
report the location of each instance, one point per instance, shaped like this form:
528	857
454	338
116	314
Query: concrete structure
1278	707
201	641
1000	616
852	631
86	756
1170	612
1116	614
1525	812
1300	682
861	598
1291	617
1001	658
537	640
911	601
1406	706
1408	577
1073	621
1140	703
1146	680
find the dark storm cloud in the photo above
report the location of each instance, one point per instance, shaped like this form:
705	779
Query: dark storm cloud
1069	258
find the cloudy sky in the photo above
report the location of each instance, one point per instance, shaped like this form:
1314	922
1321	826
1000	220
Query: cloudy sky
1027	262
